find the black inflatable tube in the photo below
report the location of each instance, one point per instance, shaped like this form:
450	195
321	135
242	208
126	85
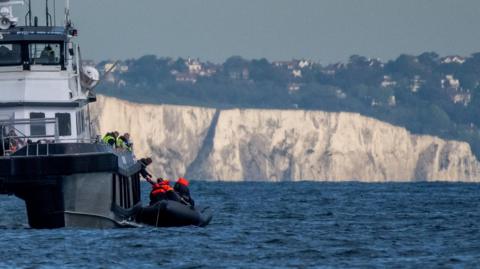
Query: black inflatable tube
173	214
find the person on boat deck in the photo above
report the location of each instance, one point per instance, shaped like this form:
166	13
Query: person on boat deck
144	162
110	138
128	142
181	187
123	142
163	191
14	142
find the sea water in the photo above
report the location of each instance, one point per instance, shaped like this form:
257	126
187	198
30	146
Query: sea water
273	225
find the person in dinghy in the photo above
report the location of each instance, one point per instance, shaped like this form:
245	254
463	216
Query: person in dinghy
181	188
161	190
168	209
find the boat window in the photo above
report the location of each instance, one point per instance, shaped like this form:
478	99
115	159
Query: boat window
64	124
10	54
45	53
37	128
80	122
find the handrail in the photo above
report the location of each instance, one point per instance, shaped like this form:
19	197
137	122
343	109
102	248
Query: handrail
78	71
12	137
50	142
26	121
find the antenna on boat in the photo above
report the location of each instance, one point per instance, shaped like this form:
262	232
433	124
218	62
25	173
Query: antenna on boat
48	16
29	14
7	20
54	12
67	13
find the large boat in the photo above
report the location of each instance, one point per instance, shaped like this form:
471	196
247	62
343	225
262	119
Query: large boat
49	156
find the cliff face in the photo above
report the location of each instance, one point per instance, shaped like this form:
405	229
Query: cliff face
282	145
171	135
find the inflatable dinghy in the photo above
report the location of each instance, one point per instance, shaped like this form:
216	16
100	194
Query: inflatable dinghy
169	213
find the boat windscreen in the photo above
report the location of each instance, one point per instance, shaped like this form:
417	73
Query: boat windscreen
45	53
10	54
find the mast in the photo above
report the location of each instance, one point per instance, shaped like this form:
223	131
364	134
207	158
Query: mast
67	12
48	16
54	12
46	12
28	16
30	12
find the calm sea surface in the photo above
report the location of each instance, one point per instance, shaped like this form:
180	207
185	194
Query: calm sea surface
274	225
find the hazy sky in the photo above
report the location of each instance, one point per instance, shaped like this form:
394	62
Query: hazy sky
323	30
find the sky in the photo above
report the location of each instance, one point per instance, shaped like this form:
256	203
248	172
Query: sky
327	31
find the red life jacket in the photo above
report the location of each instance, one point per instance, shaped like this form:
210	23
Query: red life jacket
159	188
183	182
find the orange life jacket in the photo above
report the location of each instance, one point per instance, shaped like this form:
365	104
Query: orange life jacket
161	187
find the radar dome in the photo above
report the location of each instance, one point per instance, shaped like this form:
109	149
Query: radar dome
89	77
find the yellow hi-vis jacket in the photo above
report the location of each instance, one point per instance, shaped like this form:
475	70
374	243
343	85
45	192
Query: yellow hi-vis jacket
108	139
122	145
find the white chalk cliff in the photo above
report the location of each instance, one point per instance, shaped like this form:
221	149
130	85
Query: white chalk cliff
276	145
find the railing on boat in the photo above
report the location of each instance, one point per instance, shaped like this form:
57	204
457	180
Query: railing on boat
13	138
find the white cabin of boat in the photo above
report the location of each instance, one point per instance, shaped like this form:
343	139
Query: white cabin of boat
44	90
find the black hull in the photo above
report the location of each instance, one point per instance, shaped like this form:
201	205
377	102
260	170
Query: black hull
86	185
73	185
173	214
